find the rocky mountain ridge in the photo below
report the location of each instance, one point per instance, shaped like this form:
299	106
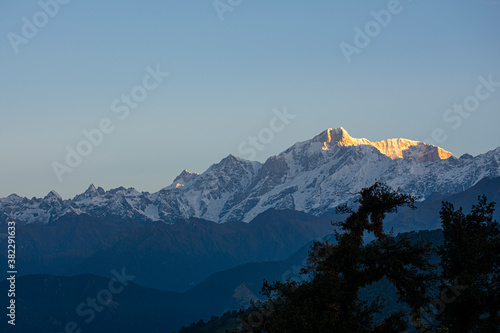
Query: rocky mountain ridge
312	176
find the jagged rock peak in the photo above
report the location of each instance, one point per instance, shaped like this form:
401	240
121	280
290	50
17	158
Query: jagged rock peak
232	161
53	194
339	137
393	148
466	156
183	178
91	192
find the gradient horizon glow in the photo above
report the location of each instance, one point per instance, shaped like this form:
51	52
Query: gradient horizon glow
228	78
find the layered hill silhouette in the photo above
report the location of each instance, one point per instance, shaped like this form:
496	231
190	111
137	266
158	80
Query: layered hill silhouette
164	256
178	256
138	309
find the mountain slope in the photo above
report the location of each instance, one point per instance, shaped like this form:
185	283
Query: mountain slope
164	256
313	176
138	309
178	256
426	216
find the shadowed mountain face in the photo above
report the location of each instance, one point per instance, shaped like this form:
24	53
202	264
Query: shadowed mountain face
426	216
177	256
215	261
313	176
164	256
83	303
132	308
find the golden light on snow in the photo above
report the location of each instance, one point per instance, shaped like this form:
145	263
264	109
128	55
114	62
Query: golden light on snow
393	148
325	147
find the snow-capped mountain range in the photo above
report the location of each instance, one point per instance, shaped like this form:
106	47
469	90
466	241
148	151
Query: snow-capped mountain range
313	176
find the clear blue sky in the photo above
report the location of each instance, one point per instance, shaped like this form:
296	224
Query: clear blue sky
225	79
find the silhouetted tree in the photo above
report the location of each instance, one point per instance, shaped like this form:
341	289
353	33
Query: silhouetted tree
328	299
470	257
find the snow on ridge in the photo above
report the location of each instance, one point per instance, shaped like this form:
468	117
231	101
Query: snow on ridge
305	177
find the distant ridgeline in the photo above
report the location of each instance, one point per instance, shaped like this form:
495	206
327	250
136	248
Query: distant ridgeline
313	176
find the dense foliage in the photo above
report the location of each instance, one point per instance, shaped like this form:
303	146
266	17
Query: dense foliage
470	258
329	299
216	324
344	285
